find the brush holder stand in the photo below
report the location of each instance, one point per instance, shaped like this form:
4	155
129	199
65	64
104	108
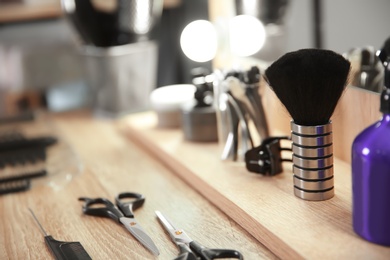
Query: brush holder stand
120	78
314	195
314	185
312	142
312	152
317	174
312	161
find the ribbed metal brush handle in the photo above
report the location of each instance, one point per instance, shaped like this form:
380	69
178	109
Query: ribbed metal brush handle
312	161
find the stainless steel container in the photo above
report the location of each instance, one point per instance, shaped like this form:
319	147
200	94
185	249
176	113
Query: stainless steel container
312	161
121	78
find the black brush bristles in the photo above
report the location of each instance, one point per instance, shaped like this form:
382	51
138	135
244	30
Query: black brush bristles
309	83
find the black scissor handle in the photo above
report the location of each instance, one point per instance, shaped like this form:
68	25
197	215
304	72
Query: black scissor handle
185	253
208	254
107	210
129	201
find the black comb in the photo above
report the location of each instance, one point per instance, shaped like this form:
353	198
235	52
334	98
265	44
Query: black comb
23	117
16	149
16	142
63	250
22	176
14	186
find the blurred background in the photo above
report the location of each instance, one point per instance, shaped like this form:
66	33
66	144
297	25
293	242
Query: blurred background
53	53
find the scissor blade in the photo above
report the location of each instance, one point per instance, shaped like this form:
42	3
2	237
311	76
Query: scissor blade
177	235
139	233
165	222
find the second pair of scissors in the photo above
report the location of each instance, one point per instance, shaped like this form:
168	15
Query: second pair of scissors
126	202
192	250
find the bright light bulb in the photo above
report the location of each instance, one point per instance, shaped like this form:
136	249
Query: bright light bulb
247	35
199	41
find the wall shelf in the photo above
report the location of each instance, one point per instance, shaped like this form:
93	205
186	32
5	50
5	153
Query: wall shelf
24	13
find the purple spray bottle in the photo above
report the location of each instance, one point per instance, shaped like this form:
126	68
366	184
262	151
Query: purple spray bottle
371	175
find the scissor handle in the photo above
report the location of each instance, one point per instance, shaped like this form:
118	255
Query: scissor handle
207	253
185	253
108	209
133	201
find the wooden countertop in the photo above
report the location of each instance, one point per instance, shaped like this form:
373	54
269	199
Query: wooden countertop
264	206
111	163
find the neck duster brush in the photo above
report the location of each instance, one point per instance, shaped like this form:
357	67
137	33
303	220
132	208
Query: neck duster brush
309	83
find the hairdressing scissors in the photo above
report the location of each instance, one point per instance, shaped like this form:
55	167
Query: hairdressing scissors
126	202
192	250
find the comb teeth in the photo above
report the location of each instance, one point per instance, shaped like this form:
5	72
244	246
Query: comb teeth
14	186
23	156
10	137
17	149
21	176
74	250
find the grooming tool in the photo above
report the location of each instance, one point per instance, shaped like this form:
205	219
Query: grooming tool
18	182
63	250
192	250
198	117
233	125
371	75
126	202
20	157
371	175
252	100
238	139
21	143
267	158
367	70
16	149
384	53
248	101
22	176
309	83
14	186
23	117
239	107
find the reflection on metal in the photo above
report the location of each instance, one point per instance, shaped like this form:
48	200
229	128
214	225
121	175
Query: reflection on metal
367	69
267	11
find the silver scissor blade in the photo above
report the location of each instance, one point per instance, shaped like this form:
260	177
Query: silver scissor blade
177	235
165	222
139	233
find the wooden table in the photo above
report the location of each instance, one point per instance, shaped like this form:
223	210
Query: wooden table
264	206
110	163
